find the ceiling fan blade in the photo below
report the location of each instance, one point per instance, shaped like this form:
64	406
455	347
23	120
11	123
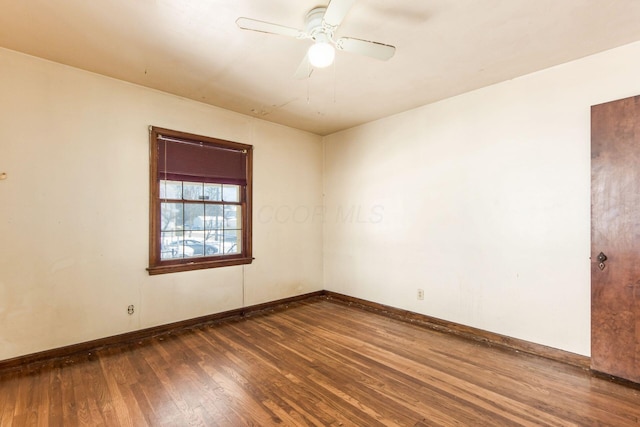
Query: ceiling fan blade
336	11
304	69
365	47
269	28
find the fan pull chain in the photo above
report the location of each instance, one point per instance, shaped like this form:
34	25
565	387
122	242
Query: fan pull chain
335	66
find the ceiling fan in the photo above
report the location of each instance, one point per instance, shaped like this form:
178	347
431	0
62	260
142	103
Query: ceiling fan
321	24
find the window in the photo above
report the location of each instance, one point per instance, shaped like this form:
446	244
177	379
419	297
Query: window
200	210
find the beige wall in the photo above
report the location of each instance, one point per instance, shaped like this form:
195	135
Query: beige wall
482	200
74	209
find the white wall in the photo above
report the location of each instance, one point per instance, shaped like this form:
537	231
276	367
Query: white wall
482	200
74	209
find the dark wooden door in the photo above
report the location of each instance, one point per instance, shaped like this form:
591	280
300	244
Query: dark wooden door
615	232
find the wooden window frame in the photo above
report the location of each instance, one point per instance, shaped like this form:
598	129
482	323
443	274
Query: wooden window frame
160	266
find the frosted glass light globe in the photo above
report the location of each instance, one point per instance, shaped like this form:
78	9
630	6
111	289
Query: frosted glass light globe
321	54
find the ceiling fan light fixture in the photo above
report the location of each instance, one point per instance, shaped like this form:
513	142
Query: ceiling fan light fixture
321	54
321	23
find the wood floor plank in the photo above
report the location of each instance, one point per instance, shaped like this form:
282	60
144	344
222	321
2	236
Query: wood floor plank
122	399
297	348
315	363
448	381
279	358
339	361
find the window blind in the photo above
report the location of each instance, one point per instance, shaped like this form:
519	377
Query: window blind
196	161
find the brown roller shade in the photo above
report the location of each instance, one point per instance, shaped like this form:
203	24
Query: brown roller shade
200	162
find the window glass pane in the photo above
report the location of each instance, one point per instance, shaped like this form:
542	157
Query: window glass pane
230	193
232	216
194	218
211	248
208	236
171	216
192	191
170	189
214	217
196	246
214	223
232	241
213	192
170	246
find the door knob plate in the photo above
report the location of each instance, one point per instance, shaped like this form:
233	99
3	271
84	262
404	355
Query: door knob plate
602	258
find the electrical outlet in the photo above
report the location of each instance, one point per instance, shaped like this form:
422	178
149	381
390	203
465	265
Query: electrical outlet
130	309
420	294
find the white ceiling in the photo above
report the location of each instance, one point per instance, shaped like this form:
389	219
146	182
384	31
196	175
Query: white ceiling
194	49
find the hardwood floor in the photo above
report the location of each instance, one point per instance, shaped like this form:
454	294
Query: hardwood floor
319	363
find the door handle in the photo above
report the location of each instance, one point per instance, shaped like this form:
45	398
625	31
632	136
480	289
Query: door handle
602	258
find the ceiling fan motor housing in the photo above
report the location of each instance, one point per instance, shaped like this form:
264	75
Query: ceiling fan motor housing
316	27
320	25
